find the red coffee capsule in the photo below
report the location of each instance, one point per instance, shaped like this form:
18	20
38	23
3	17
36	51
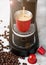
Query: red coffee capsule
32	59
41	50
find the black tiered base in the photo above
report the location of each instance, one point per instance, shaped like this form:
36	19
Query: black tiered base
24	53
18	41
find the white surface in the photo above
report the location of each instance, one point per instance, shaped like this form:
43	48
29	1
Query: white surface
41	60
4	15
41	22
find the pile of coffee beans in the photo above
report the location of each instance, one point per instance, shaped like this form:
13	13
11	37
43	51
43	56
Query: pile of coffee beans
8	58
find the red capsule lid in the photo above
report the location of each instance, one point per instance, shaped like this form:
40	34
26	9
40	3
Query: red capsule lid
32	59
41	50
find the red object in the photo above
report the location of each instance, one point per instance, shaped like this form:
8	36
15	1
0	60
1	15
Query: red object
23	26
32	59
41	50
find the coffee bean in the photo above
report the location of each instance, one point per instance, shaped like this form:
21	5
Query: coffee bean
0	40
7	32
1	47
4	26
24	63
6	47
8	58
22	57
1	20
2	35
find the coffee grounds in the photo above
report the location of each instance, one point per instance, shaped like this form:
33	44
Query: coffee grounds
8	58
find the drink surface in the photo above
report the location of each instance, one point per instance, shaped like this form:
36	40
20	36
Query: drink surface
27	15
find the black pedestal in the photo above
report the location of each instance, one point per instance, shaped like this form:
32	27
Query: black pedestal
17	43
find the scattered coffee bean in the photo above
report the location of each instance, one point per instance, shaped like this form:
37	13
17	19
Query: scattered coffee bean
22	57
6	35
1	47
7	32
24	63
2	41
1	20
2	35
6	47
4	26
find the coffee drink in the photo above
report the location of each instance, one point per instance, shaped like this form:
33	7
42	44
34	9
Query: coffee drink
24	16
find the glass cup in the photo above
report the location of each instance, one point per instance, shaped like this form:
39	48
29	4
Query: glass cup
23	20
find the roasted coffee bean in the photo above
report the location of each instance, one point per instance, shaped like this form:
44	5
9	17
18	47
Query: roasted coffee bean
7	32
1	20
1	47
2	41
2	35
4	26
22	57
6	35
8	58
6	47
24	63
